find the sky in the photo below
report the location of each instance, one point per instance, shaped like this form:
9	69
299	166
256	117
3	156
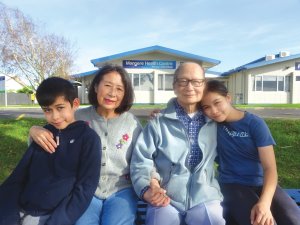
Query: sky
233	31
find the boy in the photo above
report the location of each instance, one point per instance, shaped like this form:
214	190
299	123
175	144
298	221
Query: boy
54	188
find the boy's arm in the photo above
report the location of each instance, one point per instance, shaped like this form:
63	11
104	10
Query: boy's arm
74	205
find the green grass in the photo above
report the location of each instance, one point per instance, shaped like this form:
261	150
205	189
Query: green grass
14	136
287	150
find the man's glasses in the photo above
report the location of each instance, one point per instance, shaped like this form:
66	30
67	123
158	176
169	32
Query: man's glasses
182	82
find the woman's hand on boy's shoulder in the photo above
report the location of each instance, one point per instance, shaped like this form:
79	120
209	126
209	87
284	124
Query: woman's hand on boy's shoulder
43	138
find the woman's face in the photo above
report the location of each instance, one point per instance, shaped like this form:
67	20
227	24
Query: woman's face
110	91
216	106
189	86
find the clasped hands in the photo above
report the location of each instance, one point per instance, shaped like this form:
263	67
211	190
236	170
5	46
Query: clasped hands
156	195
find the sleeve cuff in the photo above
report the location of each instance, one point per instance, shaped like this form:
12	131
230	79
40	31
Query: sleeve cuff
143	191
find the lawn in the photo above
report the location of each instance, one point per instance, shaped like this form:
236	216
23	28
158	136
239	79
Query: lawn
14	133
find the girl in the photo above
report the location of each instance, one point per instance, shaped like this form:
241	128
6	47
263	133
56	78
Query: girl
247	166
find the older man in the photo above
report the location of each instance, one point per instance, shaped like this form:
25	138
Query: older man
181	144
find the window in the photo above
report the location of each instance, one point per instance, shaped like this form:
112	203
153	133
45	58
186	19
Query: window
257	83
160	82
280	82
146	81
297	78
165	82
142	81
270	83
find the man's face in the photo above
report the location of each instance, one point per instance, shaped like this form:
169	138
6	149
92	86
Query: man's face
189	85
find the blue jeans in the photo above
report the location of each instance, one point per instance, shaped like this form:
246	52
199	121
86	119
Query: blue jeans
118	209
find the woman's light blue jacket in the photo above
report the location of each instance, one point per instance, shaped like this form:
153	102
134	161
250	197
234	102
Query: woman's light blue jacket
164	144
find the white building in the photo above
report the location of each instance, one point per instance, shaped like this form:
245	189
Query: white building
151	70
270	79
8	84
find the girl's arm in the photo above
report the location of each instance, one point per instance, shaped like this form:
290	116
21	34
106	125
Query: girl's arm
261	213
43	138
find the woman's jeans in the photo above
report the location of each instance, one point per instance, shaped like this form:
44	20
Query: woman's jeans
118	209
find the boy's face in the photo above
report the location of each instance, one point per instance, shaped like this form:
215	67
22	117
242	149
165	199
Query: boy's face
60	114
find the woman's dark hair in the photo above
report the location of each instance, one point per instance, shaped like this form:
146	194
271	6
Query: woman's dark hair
127	100
54	87
216	87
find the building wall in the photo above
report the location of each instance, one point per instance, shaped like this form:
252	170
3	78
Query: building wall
295	94
151	96
11	85
240	84
237	86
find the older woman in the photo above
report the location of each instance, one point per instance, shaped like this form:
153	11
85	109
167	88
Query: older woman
181	144
111	96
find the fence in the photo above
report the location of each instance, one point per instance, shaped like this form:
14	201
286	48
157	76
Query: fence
15	99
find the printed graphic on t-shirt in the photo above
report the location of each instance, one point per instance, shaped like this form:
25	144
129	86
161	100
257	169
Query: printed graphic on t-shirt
234	133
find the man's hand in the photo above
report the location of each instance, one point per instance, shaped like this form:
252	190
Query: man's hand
156	195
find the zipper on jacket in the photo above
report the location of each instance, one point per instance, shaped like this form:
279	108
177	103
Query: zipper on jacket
169	177
189	169
188	198
57	137
191	177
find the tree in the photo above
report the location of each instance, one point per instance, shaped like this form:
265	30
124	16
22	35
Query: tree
27	55
25	90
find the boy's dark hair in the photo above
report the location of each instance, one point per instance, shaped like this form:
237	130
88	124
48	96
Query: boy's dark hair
127	100
54	87
216	87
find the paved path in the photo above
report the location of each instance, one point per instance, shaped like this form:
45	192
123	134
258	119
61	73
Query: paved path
144	113
263	112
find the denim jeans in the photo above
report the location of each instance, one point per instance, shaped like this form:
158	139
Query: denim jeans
118	209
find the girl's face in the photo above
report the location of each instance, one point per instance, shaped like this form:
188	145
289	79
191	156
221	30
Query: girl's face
216	106
110	92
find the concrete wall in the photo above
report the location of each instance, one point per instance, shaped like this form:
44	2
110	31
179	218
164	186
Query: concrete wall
15	99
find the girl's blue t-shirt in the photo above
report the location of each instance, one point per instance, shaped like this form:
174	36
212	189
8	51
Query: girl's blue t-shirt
237	150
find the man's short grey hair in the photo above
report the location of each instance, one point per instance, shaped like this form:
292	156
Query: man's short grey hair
180	68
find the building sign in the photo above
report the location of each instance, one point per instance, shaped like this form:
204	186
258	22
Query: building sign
149	64
2	84
297	65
